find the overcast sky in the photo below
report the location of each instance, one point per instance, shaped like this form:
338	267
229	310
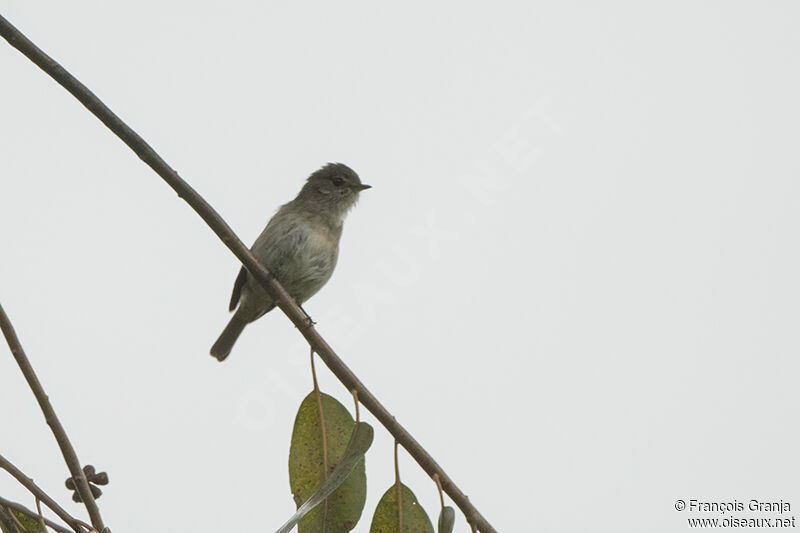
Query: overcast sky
575	279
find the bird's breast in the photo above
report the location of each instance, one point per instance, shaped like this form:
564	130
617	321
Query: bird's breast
309	266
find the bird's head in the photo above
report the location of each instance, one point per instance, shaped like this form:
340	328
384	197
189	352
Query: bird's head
335	186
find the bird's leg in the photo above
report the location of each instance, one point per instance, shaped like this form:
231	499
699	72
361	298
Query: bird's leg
309	321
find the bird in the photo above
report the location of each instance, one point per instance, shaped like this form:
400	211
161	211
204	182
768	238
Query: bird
299	246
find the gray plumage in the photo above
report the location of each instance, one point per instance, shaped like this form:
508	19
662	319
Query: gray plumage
299	247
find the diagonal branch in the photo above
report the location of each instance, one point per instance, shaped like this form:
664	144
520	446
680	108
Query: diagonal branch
70	457
285	302
28	483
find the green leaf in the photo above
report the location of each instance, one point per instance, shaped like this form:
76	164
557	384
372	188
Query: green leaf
342	509
16	521
447	520
360	442
386	518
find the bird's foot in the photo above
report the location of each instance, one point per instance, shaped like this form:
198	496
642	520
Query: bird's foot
309	321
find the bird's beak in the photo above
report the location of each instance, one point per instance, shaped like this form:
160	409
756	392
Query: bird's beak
363	187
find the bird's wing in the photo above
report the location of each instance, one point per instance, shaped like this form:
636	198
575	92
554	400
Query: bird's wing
237	288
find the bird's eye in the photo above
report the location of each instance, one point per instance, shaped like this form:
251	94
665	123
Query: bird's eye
338	182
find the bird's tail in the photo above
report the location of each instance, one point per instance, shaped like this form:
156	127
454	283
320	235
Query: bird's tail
228	337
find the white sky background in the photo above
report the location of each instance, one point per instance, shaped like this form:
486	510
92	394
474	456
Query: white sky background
575	280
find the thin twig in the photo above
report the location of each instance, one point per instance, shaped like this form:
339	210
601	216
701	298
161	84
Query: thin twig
355	400
398	488
34	489
439	486
324	436
86	526
70	457
321	416
285	302
39	510
21	508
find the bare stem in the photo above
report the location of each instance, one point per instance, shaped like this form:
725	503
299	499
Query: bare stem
70	457
355	401
439	487
321	417
398	488
41	518
285	302
40	495
324	434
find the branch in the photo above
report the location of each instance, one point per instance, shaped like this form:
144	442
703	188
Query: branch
40	494
285	302
70	457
